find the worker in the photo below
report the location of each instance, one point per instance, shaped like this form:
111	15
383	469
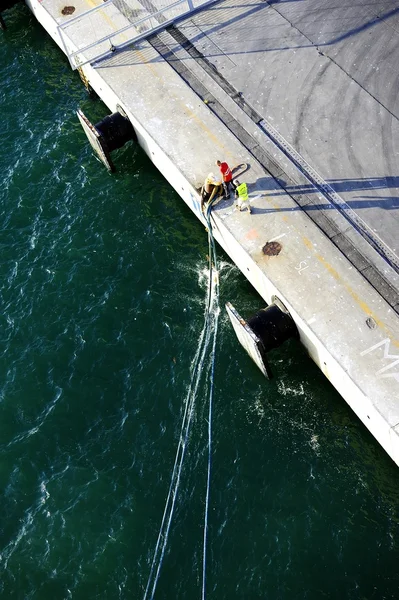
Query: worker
241	194
211	189
227	177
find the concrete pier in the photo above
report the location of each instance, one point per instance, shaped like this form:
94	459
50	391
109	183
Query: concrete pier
307	96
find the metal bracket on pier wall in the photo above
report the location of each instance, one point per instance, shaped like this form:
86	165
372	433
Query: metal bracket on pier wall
86	83
267	329
109	134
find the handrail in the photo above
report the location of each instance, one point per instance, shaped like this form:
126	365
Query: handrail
108	37
73	53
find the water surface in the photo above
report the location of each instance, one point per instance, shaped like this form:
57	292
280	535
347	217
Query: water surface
103	291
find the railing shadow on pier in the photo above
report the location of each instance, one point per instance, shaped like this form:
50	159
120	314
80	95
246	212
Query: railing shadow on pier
124	57
386	202
338	23
233	14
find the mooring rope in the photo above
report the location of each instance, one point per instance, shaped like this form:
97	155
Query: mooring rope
208	479
212	255
177	468
197	368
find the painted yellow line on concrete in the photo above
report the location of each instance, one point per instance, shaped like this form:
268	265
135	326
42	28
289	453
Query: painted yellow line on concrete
363	305
359	301
105	16
215	140
209	133
330	269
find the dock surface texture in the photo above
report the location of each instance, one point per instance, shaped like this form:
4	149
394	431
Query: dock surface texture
306	94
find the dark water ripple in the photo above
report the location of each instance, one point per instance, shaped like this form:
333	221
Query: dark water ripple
103	292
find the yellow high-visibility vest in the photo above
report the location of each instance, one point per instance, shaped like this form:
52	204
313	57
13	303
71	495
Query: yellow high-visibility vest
242	191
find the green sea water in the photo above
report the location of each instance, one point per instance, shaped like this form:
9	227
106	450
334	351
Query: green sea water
103	289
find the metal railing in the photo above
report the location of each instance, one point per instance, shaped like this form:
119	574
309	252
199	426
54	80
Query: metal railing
115	24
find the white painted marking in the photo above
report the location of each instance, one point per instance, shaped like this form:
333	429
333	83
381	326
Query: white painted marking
301	267
227	213
381	372
312	320
277	237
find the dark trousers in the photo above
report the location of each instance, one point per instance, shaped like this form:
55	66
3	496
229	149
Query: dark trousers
226	186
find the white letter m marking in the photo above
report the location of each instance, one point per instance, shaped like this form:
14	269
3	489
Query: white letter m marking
393	357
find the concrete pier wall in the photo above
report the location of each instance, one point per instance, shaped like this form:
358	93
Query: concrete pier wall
349	330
